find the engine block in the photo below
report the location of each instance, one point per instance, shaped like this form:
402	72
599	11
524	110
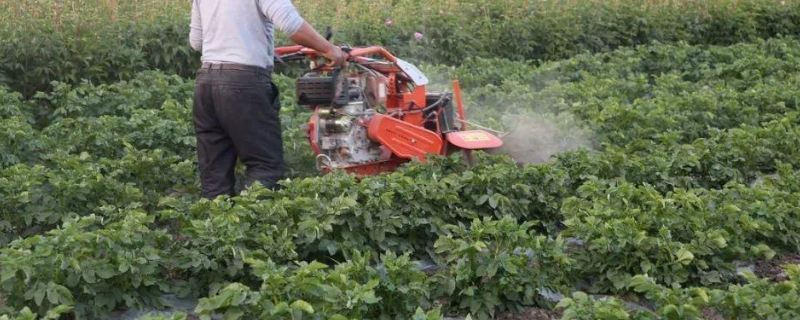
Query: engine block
340	133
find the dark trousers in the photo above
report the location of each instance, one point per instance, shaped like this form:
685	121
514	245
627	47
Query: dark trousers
236	112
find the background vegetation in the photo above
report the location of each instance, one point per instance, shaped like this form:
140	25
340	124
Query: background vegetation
111	40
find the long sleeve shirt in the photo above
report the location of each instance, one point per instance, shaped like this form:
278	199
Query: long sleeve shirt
240	31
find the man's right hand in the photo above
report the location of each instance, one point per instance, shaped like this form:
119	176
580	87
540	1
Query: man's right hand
309	37
336	56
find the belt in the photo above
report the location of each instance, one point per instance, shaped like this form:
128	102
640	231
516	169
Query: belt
234	66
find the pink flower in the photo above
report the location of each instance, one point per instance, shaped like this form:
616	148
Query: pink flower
389	22
417	35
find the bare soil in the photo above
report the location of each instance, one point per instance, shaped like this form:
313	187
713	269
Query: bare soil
772	269
712	314
533	314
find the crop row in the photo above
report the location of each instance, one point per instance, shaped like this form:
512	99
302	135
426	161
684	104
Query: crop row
482	258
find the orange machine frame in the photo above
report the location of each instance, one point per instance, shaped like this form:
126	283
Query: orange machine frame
401	131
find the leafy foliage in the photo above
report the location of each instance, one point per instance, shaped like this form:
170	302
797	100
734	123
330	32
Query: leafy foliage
87	264
350	290
759	298
687	171
499	265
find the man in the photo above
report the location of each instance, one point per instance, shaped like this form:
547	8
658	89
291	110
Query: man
236	105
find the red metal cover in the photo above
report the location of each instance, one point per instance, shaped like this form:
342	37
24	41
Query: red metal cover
404	139
474	139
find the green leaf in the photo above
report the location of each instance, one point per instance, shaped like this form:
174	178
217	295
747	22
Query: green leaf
280	308
479	246
64	294
370	298
482	199
39	293
233	313
105	271
450	285
88	276
57	312
303	305
702	295
684	256
52	295
510	267
7	274
719	241
640	283
493	201
469	291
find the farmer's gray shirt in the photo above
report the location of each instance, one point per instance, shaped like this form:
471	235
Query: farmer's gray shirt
240	31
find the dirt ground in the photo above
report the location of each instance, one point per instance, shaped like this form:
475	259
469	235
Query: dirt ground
533	314
772	269
711	314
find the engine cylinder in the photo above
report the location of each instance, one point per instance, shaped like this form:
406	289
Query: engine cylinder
338	125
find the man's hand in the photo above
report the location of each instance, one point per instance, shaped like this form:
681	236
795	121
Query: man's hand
308	37
336	56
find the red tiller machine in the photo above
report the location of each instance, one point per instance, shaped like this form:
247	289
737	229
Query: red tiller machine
376	113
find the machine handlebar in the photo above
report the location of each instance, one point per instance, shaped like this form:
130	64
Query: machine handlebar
299	52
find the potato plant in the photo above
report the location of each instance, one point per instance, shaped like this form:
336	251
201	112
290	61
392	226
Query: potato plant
686	169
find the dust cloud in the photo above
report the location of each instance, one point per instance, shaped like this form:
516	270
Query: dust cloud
528	110
534	138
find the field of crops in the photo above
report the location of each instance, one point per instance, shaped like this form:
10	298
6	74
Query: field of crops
650	171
